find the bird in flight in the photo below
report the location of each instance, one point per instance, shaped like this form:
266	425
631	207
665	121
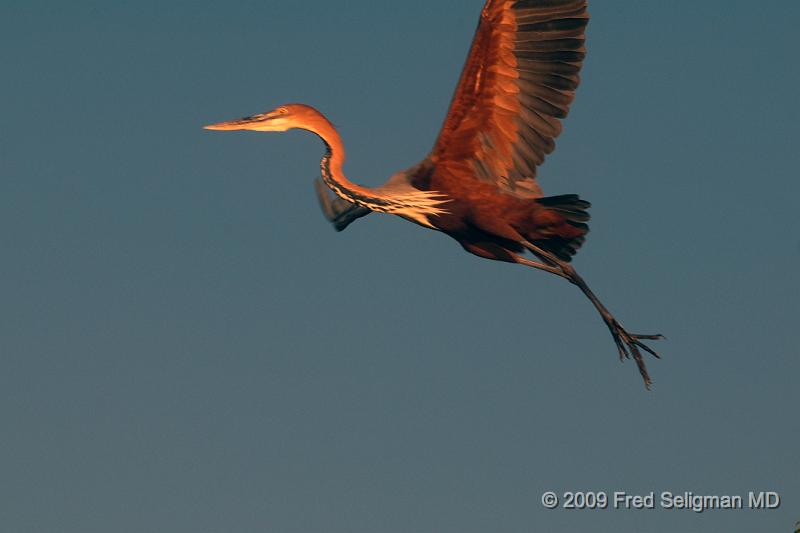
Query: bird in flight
479	183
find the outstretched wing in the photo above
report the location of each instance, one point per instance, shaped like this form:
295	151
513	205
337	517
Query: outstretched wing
518	82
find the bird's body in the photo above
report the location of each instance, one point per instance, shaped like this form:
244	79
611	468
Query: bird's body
478	184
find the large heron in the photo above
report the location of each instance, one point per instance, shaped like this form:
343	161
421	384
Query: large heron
478	184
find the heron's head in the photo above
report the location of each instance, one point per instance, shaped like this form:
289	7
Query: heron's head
281	118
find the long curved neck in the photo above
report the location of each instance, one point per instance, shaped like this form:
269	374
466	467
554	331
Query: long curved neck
331	167
406	202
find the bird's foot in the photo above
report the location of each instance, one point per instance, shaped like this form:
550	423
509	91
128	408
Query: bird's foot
630	345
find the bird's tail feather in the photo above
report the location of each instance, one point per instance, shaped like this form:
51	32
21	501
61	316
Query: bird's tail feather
565	237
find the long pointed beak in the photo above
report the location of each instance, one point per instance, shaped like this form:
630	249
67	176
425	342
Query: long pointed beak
233	125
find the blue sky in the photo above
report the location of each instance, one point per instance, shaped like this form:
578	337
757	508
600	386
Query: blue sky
188	347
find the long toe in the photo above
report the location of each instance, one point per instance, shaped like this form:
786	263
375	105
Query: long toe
657	337
631	346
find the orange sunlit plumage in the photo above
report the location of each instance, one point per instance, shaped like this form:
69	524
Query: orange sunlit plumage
479	183
518	81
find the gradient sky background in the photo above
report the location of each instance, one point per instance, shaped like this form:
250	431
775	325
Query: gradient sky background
187	346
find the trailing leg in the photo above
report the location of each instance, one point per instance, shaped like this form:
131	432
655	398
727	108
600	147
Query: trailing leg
628	344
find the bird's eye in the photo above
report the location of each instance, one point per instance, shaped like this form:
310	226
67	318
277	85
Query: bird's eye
283	111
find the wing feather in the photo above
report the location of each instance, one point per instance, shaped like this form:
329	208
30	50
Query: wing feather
517	84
